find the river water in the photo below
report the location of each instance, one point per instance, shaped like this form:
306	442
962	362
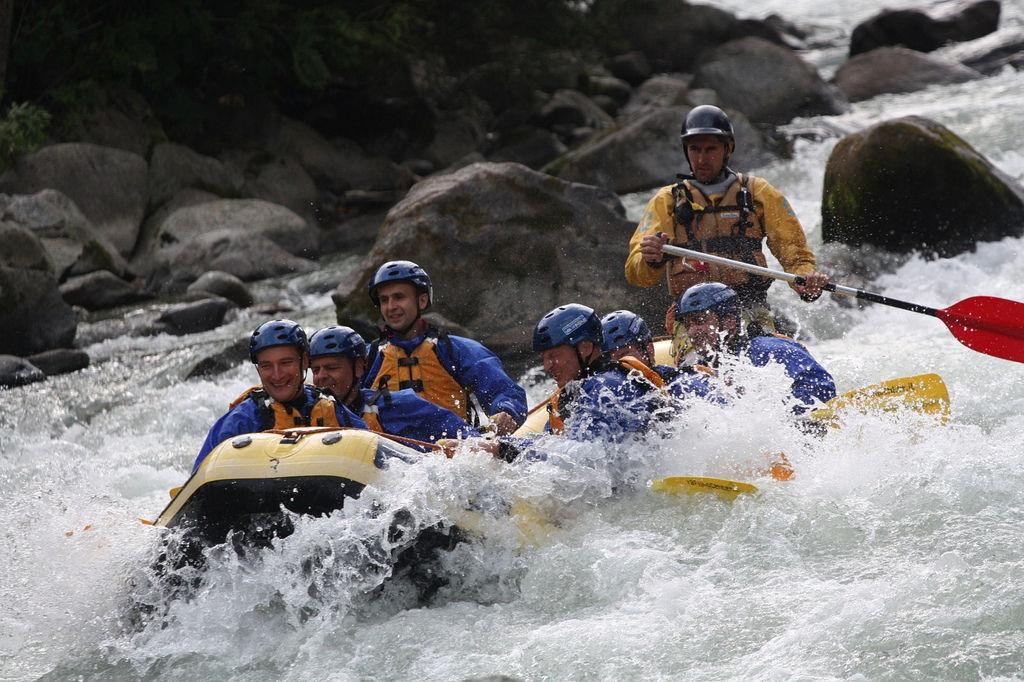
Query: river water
895	553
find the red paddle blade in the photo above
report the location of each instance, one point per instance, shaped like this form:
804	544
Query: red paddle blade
990	325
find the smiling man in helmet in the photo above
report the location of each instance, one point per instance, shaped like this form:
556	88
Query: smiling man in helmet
338	360
711	315
442	368
597	398
719	211
280	351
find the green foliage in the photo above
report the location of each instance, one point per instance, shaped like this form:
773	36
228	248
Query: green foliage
22	130
190	57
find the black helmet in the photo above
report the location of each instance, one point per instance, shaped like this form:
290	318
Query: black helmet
706	120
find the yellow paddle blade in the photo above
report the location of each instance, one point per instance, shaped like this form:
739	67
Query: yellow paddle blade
925	393
691	485
173	492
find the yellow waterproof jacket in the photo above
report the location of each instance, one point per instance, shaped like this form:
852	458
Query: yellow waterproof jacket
773	215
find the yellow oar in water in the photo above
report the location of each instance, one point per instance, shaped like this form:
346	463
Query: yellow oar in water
925	393
692	485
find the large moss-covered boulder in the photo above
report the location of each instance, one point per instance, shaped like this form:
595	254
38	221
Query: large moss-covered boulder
911	183
504	244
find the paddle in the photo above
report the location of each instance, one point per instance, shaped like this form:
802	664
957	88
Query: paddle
690	485
925	393
994	326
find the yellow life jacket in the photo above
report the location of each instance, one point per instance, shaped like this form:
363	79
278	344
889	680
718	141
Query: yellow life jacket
372	419
627	363
731	227
275	415
423	372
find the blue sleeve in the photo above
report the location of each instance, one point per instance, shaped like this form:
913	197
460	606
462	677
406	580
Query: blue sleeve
811	382
610	406
479	370
403	413
243	419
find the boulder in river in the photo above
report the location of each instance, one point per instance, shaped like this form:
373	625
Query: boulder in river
60	361
15	371
768	83
504	244
107	184
646	152
248	238
897	69
918	30
71	242
911	183
173	167
33	316
224	285
100	290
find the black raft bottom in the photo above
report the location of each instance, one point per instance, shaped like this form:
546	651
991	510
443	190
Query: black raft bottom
252	507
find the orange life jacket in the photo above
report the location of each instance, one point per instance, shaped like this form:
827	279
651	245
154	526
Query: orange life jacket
275	415
732	227
629	364
423	372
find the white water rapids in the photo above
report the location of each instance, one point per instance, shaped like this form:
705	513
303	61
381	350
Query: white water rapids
897	552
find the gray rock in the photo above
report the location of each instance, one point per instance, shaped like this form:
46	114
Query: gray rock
60	361
338	167
573	108
248	238
224	285
768	83
192	318
646	153
221	361
455	136
658	92
108	185
917	30
33	316
575	236
615	88
15	371
529	146
174	167
673	34
282	180
100	290
21	249
896	69
72	243
632	67
355	234
911	183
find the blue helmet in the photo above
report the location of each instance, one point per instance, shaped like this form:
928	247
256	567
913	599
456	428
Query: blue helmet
567	325
712	296
337	340
400	271
624	328
277	333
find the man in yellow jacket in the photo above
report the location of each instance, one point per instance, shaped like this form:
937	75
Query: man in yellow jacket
719	211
